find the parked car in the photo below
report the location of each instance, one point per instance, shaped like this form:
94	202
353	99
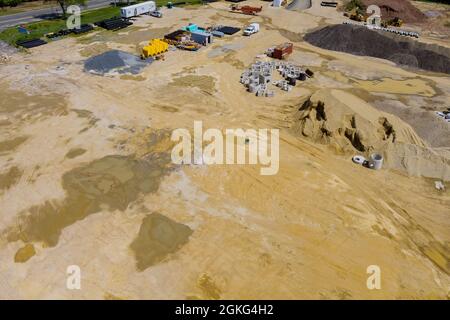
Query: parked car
157	14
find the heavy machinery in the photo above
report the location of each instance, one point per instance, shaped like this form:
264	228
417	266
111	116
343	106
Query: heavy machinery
188	45
395	22
154	48
356	15
245	9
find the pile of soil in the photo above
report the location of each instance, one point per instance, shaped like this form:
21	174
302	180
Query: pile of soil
397	8
361	41
352	126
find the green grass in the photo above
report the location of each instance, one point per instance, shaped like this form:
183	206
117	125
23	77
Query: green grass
41	28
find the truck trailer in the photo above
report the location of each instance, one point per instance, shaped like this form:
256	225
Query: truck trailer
138	9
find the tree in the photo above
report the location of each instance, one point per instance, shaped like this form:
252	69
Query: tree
9	3
64	4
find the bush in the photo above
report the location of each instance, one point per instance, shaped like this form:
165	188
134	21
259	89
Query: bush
354	4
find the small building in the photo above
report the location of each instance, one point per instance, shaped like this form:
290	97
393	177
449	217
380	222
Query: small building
202	37
138	9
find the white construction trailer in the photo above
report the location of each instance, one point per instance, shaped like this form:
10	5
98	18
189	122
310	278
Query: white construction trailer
138	9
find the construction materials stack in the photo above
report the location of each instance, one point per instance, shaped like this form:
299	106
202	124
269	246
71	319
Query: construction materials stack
260	75
114	23
182	40
154	48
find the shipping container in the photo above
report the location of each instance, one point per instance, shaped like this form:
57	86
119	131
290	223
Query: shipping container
283	50
203	38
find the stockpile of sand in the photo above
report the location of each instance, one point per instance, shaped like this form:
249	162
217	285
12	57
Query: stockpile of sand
361	41
397	8
352	126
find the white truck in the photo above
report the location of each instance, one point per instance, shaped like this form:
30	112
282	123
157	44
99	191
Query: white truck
251	29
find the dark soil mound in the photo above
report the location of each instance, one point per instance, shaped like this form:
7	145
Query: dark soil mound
361	41
397	8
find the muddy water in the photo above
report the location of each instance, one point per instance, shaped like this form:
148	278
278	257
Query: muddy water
112	183
19	103
10	178
25	253
408	86
209	288
75	152
158	237
11	144
204	83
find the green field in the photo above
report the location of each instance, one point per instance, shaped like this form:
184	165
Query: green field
40	28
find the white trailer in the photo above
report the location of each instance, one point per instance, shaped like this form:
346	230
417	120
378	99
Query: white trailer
138	9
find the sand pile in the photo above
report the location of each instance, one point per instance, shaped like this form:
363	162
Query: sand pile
351	126
115	61
397	8
364	42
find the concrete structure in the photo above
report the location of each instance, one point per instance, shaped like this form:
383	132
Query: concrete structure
138	9
376	161
259	77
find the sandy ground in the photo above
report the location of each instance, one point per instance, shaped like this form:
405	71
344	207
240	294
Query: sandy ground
86	180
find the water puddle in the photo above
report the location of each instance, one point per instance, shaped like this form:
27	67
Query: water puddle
158	237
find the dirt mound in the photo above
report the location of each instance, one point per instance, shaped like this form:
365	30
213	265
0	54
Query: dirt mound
397	8
361	41
351	126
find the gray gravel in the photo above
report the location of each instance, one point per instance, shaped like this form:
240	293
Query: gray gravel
115	61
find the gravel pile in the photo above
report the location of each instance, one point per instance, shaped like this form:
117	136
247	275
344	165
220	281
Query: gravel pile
115	61
364	42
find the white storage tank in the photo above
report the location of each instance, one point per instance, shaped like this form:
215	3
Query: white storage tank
138	9
277	3
376	161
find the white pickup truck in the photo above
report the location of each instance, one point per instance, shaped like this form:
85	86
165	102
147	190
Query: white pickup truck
251	29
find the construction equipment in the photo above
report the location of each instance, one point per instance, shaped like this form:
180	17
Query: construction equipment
245	9
154	48
188	45
395	22
356	14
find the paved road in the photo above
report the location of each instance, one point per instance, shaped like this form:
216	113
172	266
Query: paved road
36	15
